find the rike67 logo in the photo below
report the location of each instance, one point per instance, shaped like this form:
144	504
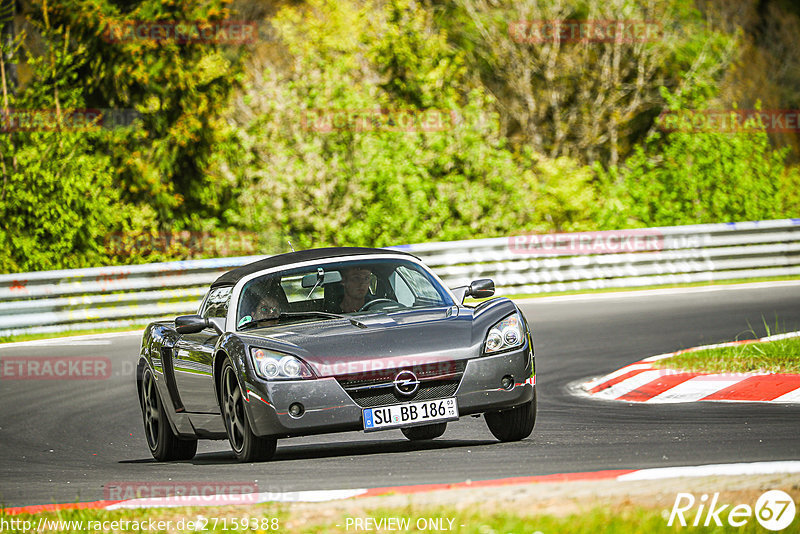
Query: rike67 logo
774	510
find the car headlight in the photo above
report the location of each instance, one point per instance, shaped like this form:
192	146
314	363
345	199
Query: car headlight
276	366
504	335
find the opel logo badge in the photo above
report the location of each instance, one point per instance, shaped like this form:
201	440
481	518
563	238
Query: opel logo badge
406	383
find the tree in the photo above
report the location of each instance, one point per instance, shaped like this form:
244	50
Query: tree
692	176
370	182
58	201
177	88
588	99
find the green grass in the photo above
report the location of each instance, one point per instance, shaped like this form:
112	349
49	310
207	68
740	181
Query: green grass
781	356
623	518
30	337
597	520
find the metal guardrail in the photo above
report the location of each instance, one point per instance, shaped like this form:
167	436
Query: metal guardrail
104	297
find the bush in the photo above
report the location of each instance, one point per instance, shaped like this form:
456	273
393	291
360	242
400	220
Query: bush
370	185
694	177
59	202
53	216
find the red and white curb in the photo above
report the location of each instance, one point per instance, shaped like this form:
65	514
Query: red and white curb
644	382
621	475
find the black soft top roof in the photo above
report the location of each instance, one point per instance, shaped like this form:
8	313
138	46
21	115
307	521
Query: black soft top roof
231	277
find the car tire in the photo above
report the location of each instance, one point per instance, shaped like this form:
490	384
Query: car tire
513	424
164	444
246	446
419	433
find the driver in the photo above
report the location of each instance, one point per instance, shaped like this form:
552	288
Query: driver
355	281
268	308
262	301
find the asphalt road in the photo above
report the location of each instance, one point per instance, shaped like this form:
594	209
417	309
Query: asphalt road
63	440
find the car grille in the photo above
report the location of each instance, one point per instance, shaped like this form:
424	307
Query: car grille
436	381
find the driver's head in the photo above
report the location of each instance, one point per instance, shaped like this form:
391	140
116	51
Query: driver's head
268	308
355	281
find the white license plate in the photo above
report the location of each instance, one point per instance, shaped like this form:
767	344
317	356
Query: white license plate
410	414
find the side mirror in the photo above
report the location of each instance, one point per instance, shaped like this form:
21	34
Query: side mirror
191	324
481	289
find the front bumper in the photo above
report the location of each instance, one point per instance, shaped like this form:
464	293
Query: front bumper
329	408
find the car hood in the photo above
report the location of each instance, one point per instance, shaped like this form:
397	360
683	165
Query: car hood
336	347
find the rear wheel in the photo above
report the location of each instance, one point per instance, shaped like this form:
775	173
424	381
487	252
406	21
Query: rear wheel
514	424
418	433
247	446
164	444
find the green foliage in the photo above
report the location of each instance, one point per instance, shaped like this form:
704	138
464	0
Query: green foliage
587	100
58	200
52	214
414	60
692	177
232	149
567	199
178	88
371	185
789	193
79	197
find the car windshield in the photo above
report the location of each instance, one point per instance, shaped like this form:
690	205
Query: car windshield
330	290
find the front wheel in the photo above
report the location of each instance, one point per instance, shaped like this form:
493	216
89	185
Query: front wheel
164	444
418	433
246	446
514	424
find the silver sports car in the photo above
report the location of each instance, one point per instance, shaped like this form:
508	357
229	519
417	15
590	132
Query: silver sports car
330	340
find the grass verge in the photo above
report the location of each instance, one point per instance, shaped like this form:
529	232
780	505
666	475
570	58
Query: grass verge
622	518
31	337
592	506
780	356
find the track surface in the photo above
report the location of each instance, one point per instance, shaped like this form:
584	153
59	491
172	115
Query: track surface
62	441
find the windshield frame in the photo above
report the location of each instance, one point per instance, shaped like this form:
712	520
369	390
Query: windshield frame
233	308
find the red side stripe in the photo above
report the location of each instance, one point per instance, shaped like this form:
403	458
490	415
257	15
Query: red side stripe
617	380
758	388
39	508
657	386
559	477
419	488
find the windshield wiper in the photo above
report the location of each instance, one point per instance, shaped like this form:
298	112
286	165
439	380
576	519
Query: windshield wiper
327	315
303	314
